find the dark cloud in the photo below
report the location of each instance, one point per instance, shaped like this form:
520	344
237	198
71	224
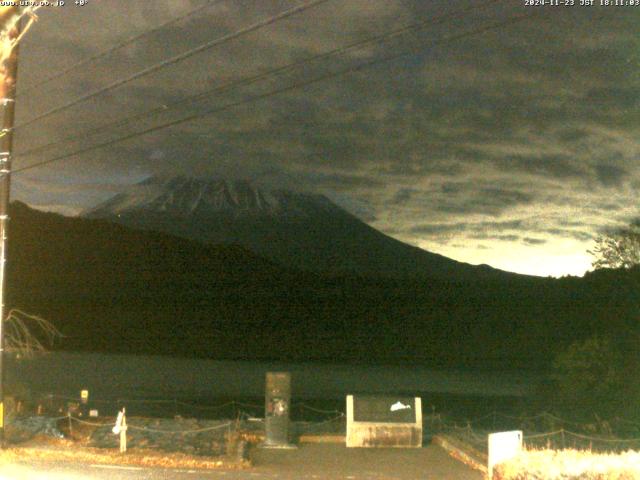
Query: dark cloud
610	175
613	97
341	181
534	241
402	196
438	229
488	236
610	207
459	199
537	117
452	187
427	166
558	166
459	227
506	196
580	235
570	223
570	134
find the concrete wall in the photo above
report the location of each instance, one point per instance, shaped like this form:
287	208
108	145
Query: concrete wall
382	434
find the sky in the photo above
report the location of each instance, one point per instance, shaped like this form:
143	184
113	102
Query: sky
496	132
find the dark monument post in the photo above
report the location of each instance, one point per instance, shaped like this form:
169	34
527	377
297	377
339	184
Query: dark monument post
277	406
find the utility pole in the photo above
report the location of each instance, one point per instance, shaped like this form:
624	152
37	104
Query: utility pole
8	77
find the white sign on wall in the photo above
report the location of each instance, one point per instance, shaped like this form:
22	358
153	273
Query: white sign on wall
502	447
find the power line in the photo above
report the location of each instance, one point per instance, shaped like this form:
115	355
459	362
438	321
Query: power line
487	28
327	76
122	44
176	59
255	78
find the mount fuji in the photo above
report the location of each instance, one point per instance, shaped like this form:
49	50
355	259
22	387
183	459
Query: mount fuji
298	230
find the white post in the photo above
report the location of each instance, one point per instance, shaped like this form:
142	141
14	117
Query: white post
123	433
121	428
502	447
348	440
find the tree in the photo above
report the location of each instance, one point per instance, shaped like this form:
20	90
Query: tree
590	378
618	248
594	375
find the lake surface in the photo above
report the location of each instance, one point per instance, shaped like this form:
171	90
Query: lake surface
128	376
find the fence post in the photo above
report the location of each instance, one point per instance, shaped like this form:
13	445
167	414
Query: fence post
502	446
121	428
70	427
562	434
433	416
123	433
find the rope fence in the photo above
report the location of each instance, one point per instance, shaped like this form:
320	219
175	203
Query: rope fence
542	430
474	434
546	419
181	432
326	426
147	429
162	407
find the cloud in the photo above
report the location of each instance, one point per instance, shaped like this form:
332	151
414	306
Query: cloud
480	136
487	236
534	241
555	165
613	97
447	228
460	198
610	175
567	233
571	134
402	196
338	181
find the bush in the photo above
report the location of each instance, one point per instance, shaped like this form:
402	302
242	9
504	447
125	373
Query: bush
589	378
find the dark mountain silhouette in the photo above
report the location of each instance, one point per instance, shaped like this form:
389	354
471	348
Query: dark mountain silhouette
110	288
301	230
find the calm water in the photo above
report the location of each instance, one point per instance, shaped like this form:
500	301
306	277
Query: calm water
166	386
111	377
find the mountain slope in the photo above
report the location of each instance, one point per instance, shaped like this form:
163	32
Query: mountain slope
295	229
113	289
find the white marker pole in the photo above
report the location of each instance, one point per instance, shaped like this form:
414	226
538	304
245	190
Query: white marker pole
123	433
121	428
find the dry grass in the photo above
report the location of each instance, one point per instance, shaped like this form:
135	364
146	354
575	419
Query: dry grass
570	465
44	449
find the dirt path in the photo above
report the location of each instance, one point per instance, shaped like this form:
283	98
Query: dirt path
333	461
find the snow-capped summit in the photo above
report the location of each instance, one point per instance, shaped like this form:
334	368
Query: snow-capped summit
191	197
301	230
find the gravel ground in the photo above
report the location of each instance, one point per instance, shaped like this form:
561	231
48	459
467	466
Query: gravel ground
331	461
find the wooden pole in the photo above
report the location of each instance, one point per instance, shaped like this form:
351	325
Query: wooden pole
8	77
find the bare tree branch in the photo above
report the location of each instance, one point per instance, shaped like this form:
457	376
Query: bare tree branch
27	334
